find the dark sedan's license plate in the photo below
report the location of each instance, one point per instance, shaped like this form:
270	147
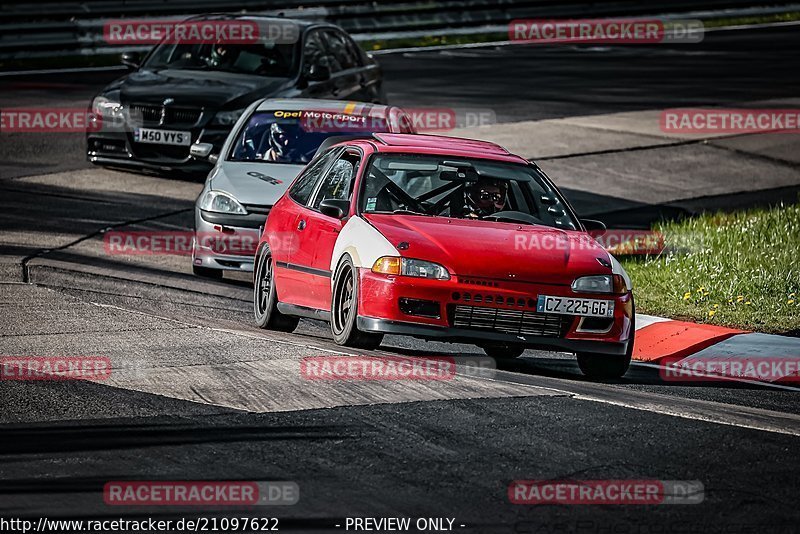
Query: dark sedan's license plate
575	306
162	137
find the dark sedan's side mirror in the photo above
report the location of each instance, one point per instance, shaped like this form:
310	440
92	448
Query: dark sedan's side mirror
132	60
335	208
594	227
319	73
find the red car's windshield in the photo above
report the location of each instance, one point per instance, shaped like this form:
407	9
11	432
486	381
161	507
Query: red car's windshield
445	186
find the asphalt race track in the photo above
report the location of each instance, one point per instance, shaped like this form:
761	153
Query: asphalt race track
199	393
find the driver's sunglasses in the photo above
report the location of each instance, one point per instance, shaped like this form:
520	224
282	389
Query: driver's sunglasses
494	197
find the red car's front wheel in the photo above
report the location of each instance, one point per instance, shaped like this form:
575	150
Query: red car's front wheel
344	309
607	366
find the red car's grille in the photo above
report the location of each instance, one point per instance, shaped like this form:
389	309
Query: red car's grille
509	321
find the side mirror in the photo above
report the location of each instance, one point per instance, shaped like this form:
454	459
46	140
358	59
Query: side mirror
201	150
319	73
594	227
335	208
132	60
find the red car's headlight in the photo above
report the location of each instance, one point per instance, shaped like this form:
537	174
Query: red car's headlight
410	267
609	284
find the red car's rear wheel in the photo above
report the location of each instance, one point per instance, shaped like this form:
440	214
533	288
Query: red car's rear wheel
265	297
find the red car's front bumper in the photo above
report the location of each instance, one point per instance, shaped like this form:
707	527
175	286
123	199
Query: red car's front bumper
482	310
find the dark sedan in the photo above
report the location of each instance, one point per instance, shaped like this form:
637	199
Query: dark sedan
189	91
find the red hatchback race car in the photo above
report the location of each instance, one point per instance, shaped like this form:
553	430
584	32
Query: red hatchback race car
447	239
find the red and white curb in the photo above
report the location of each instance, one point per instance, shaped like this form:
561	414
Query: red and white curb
716	351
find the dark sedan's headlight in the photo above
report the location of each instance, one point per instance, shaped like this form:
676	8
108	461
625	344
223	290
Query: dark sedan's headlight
106	113
107	107
227	118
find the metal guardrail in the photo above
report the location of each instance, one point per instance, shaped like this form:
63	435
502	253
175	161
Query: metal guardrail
69	28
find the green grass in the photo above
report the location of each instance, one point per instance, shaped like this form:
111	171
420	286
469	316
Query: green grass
433	40
788	16
732	269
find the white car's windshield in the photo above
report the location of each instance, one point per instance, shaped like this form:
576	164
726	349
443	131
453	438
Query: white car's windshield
294	136
444	186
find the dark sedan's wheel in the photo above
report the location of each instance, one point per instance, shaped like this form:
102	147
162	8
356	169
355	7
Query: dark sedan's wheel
502	350
344	309
205	272
265	298
608	366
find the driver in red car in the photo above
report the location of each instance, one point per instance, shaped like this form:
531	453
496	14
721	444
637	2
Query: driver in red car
485	197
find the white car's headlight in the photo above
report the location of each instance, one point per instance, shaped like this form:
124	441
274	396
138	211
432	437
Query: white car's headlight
221	202
227	118
106	107
410	267
605	283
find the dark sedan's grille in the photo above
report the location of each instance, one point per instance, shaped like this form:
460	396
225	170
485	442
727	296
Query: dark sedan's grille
150	115
523	322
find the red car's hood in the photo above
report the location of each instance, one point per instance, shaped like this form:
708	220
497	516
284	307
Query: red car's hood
503	251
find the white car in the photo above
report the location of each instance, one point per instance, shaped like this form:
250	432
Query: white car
270	144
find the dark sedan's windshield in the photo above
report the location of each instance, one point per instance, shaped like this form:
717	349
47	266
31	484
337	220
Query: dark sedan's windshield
294	136
262	58
462	188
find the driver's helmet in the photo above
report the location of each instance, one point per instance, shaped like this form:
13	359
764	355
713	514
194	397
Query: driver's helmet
220	54
486	196
280	142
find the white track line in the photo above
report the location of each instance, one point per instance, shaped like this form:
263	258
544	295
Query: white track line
693	409
722	378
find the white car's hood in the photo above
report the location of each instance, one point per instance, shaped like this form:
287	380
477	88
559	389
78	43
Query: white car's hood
255	182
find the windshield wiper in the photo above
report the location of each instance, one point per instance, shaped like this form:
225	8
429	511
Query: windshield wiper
410	212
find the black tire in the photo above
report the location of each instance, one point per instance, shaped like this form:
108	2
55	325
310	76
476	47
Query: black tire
503	350
344	310
265	297
608	366
205	272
